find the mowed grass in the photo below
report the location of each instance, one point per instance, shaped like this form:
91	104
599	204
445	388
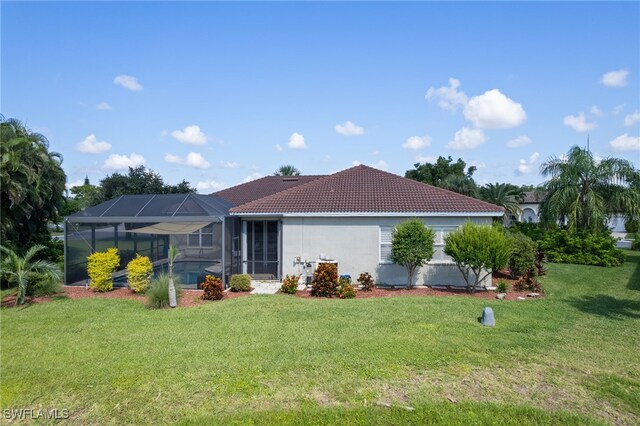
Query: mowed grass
570	358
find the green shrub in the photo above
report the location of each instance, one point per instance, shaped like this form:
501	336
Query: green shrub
530	229
412	246
366	282
345	289
582	248
632	226
477	250
502	286
290	284
213	288
158	291
325	280
635	244
523	254
100	267
139	272
43	285
240	282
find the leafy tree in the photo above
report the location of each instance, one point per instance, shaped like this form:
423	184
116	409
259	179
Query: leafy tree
445	174
287	170
477	251
412	246
504	195
23	270
33	185
585	192
139	180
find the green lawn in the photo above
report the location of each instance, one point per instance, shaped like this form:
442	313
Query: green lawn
570	358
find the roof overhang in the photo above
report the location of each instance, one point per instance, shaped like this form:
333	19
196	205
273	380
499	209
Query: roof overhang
143	219
372	214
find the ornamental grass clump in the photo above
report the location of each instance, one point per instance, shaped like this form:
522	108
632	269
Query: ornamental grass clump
290	284
100	267
139	272
325	280
158	292
213	288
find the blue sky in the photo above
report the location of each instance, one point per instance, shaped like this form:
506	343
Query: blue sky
219	93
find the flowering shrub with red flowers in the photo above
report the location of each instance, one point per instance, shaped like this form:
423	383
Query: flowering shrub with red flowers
213	288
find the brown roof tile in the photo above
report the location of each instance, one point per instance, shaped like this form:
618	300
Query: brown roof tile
261	188
363	189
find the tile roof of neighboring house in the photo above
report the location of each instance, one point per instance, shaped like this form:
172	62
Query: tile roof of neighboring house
262	187
363	189
532	197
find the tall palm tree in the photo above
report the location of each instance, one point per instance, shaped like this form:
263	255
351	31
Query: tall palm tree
503	195
287	170
22	270
585	192
461	184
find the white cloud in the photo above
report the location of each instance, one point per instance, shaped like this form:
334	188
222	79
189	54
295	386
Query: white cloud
615	78
191	135
493	110
78	182
279	147
91	145
417	142
466	138
104	106
527	166
381	165
123	162
579	122
296	141
128	82
229	164
426	159
209	186
252	176
632	118
626	143
518	142
349	128
193	159
618	109
479	164
595	111
449	98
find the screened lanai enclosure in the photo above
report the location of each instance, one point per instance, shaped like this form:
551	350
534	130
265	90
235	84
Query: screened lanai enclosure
198	225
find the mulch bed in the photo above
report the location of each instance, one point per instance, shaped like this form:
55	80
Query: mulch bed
193	297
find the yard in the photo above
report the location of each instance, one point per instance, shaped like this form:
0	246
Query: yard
569	358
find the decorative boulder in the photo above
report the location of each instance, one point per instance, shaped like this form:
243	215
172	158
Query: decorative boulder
488	319
501	296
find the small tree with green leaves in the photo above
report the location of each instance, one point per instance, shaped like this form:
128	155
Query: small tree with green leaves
412	246
477	250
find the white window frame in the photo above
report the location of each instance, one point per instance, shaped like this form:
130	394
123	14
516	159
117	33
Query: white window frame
381	243
200	234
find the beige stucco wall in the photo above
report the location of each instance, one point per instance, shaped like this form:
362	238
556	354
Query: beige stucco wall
355	243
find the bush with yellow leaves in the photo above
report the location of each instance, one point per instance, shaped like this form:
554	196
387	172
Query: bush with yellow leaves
100	267
139	271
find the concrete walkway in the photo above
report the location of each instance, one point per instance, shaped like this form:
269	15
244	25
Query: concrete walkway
265	287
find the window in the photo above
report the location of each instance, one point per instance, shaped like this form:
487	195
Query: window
386	237
439	255
201	238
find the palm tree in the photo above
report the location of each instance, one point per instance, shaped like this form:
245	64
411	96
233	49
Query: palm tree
23	270
173	254
460	184
586	192
287	170
504	195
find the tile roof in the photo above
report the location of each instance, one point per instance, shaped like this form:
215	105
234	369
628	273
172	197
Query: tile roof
363	189
533	197
261	188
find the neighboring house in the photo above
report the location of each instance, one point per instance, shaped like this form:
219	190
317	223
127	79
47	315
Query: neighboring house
530	207
279	225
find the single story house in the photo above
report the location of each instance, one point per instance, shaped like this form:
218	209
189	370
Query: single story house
277	226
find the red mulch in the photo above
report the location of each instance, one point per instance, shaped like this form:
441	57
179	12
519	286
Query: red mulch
426	291
189	297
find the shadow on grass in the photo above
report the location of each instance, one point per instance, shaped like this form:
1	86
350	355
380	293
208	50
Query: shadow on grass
634	279
607	306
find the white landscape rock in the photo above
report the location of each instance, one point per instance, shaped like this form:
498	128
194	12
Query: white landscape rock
501	296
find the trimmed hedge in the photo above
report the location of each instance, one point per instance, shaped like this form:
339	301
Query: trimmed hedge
240	282
582	248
